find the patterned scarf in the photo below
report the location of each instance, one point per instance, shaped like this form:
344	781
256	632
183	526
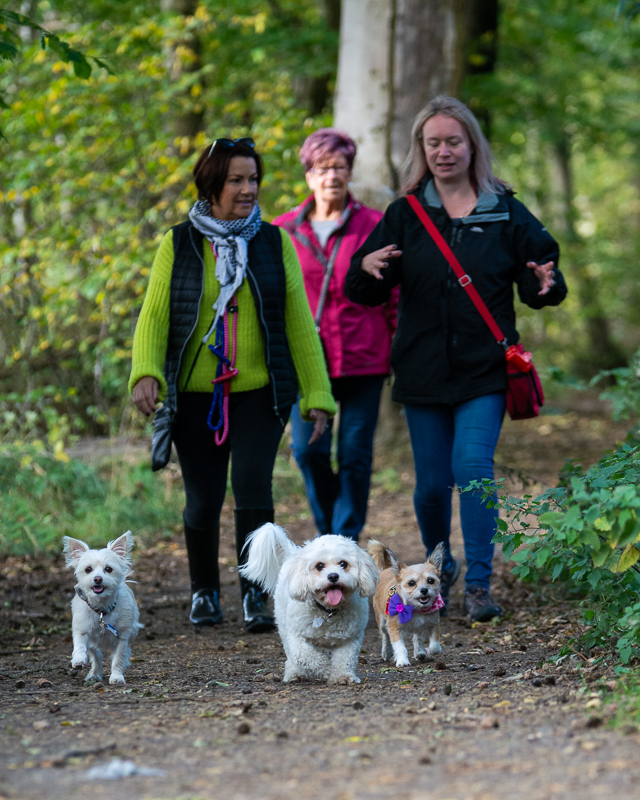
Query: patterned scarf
230	240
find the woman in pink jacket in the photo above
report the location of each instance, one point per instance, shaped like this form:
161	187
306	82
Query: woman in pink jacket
326	230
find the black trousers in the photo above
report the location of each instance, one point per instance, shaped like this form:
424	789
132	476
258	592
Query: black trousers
252	445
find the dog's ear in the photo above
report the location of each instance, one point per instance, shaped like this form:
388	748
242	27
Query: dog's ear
437	557
368	575
123	545
295	574
73	549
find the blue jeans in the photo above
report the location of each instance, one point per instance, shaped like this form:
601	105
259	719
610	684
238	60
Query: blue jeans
339	500
455	445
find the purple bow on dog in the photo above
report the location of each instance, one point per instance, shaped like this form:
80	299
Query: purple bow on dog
397	607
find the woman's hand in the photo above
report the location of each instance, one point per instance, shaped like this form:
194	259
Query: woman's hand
320	419
145	395
379	259
544	274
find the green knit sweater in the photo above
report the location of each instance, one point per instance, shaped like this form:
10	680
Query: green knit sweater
152	333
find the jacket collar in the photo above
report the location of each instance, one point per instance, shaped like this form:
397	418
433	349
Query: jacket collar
487	201
307	205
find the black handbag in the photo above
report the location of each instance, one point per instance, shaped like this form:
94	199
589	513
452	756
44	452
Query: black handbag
162	437
163	422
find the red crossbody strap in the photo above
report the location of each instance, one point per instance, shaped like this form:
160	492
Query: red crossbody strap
463	279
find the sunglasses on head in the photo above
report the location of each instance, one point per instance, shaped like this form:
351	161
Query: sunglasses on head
229	144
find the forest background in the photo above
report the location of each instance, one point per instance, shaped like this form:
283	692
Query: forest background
96	168
108	103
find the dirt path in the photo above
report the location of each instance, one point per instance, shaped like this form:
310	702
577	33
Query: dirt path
494	719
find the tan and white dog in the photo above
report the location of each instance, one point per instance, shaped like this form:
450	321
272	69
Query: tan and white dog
407	604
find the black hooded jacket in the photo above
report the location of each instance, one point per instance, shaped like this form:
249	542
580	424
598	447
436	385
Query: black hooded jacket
443	351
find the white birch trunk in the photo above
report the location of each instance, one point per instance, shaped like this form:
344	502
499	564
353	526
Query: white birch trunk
395	55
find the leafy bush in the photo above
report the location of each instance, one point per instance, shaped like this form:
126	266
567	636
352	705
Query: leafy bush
624	394
45	495
586	531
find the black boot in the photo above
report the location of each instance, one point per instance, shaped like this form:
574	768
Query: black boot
257	616
205	608
202	552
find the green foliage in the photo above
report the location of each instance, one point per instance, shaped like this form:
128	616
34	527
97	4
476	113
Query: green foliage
586	532
45	495
10	45
561	112
624	393
628	9
96	171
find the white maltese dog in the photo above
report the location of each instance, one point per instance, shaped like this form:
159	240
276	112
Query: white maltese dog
320	600
104	609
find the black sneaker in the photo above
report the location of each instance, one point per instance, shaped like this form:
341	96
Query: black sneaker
447	578
205	608
479	605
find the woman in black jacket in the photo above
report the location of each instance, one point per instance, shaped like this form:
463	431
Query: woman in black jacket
450	373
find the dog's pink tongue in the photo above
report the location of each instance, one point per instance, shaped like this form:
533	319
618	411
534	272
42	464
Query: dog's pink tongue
334	596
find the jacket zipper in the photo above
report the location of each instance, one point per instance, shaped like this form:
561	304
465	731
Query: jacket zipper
184	346
456	236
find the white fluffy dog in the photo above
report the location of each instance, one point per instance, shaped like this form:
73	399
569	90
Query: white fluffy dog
320	599
104	609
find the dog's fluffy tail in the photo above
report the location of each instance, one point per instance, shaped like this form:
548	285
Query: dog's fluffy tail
383	557
268	547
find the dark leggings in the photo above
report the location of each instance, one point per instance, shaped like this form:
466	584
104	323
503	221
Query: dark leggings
254	436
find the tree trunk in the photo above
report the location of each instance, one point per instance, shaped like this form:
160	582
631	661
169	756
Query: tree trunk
395	56
185	57
314	92
602	351
185	118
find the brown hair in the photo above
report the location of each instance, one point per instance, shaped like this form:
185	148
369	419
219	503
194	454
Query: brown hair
415	168
211	169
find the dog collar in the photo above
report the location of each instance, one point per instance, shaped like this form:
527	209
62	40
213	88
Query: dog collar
317	622
395	607
104	611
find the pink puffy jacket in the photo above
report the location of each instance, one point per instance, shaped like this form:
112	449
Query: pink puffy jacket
356	338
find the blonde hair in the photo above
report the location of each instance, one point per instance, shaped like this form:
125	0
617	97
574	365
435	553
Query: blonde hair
415	168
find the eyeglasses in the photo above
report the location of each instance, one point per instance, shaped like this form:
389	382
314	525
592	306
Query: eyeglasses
229	144
339	169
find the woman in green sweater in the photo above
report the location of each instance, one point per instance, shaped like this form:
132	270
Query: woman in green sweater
226	305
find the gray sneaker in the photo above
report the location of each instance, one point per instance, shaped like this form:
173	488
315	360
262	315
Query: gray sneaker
479	605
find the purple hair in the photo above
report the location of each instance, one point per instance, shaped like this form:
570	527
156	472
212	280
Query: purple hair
325	143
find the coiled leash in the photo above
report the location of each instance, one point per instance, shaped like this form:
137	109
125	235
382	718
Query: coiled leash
225	371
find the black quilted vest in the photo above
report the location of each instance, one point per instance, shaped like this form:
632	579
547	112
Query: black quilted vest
266	276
